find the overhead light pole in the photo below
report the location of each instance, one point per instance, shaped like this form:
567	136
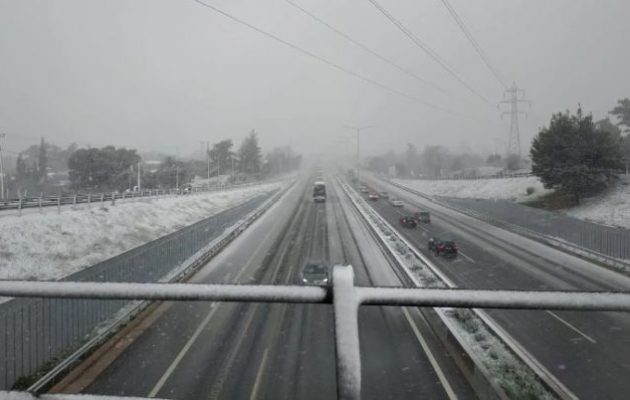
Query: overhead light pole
2	135
208	156
358	130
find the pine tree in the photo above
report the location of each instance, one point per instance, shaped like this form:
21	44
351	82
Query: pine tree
42	162
250	154
21	168
574	156
622	111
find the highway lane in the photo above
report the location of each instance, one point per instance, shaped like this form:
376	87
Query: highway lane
258	351
588	351
407	348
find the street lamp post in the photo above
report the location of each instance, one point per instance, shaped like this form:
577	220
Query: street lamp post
2	135
358	130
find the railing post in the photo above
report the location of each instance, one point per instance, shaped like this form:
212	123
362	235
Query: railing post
113	198
41	210
347	352
58	203
89	199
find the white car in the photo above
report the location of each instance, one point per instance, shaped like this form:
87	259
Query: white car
395	202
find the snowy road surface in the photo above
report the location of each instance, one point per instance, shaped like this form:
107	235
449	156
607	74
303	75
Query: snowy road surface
262	351
588	351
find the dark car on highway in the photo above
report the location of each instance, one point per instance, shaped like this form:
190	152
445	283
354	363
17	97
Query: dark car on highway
443	247
408	222
423	216
315	273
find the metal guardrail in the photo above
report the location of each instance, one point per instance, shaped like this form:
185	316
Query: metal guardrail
471	177
36	332
23	203
344	296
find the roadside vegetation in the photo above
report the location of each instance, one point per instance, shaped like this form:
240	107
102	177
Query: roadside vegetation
578	157
49	170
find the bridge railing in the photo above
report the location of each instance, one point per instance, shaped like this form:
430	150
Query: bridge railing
342	294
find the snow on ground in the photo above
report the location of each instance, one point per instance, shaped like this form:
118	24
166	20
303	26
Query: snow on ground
505	188
51	245
609	208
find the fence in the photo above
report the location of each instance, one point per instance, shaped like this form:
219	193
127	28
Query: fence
610	241
38	331
471	176
343	294
60	200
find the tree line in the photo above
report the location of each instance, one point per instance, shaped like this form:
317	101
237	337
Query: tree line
433	162
110	168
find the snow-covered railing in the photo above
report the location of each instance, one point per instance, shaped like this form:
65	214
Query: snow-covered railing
41	202
343	294
471	176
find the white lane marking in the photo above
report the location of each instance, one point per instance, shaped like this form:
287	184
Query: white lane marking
445	384
423	228
217	386
261	369
182	352
214	307
466	257
572	327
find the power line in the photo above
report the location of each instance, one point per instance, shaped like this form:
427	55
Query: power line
474	42
330	63
366	48
429	51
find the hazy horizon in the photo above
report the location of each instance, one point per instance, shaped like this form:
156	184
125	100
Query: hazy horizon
165	75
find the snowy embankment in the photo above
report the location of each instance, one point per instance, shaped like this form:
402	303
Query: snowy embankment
51	245
514	189
609	208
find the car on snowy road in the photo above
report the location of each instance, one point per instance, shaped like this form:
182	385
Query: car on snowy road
408	222
395	202
315	273
442	247
423	216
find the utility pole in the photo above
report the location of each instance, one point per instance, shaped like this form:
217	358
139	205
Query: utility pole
139	166
358	130
208	156
218	168
176	176
2	135
512	97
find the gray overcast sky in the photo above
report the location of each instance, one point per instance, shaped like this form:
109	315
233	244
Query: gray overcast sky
166	74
